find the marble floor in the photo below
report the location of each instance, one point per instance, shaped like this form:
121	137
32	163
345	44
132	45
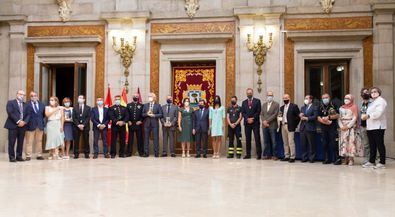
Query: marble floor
179	187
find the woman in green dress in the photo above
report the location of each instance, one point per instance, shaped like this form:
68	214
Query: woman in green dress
185	127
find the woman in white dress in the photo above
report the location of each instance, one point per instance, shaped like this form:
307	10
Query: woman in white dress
54	129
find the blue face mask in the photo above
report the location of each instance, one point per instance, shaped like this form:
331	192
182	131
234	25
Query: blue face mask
99	103
325	101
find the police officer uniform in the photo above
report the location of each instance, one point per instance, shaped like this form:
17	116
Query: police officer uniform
329	133
135	111
118	113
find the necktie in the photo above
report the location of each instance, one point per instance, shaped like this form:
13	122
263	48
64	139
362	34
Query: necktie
250	103
36	107
21	109
201	113
80	109
168	109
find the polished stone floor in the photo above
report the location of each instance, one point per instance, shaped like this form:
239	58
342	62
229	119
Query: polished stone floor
193	187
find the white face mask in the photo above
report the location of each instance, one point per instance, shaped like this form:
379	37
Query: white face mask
347	101
270	98
150	99
81	100
67	104
375	95
306	101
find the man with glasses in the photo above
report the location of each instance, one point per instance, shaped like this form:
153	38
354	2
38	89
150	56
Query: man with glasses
18	118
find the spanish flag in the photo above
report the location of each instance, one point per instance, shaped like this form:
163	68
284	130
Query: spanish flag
124	102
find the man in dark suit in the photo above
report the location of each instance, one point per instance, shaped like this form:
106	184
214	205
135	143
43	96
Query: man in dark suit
289	120
270	111
100	119
308	116
119	116
201	128
169	122
251	110
18	118
81	121
135	110
35	127
152	112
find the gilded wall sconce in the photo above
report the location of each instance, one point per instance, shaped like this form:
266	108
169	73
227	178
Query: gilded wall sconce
126	50
259	50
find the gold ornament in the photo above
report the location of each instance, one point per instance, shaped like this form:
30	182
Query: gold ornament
259	50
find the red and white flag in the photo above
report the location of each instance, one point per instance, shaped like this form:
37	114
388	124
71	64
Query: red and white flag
108	104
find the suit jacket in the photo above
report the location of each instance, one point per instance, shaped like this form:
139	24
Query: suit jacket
95	117
83	118
37	118
271	115
311	113
253	112
172	114
118	113
14	115
292	116
201	122
154	121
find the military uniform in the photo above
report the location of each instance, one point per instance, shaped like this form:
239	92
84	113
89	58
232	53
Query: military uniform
329	133
234	115
118	113
135	111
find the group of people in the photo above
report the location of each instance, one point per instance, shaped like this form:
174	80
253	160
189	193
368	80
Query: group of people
346	131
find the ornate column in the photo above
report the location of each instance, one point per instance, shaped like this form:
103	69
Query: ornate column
383	63
17	56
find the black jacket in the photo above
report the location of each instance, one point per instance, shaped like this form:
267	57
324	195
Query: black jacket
292	116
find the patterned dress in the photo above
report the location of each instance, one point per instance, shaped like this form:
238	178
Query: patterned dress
55	138
349	144
186	125
216	116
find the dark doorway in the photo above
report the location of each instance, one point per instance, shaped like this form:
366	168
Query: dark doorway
62	80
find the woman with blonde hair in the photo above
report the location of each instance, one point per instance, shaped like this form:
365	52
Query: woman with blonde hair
54	129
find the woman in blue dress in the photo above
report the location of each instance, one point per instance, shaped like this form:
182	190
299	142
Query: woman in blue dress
217	125
67	127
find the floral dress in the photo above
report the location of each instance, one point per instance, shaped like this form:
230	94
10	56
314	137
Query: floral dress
349	144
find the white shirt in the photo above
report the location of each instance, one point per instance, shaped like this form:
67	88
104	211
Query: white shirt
286	106
100	114
376	112
268	105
